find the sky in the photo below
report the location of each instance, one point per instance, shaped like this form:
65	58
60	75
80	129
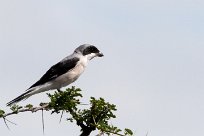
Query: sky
152	68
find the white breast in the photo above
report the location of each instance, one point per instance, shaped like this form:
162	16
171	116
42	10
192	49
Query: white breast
71	75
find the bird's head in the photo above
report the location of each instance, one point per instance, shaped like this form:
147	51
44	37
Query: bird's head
90	51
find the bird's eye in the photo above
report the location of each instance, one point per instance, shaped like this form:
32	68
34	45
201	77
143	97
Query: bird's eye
93	49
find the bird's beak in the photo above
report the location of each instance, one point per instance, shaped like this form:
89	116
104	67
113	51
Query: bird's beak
100	54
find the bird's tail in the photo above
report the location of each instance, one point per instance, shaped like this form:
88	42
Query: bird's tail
30	92
19	98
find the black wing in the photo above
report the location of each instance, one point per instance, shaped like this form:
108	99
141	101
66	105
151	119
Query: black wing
57	70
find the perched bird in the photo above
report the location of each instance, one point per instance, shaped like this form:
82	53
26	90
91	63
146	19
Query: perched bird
63	73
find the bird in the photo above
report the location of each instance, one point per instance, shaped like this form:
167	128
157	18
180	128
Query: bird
62	73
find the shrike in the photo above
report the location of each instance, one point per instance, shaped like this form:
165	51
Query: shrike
63	73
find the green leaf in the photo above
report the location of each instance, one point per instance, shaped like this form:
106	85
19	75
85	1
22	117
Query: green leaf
15	108
1	113
29	106
128	132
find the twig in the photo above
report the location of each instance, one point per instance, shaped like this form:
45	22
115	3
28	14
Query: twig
43	123
33	109
61	116
111	132
6	123
10	121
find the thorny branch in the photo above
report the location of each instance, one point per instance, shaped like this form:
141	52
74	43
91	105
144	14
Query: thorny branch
33	109
95	117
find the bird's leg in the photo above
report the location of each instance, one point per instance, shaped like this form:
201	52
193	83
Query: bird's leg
59	90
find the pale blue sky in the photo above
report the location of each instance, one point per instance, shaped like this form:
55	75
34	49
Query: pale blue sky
153	68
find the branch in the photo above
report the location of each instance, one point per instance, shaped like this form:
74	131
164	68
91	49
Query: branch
32	109
97	116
